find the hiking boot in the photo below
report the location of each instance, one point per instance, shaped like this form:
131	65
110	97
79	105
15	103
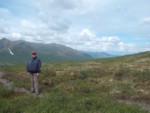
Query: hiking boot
32	91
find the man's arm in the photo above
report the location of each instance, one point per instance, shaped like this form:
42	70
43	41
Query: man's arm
39	66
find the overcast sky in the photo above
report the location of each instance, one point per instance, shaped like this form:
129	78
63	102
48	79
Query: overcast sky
113	26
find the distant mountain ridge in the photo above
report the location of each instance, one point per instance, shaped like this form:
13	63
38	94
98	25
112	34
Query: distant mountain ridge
47	52
99	54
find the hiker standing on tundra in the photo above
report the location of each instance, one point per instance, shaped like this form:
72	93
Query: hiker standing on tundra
33	68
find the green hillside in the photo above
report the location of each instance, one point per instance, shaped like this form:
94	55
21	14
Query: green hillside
110	85
47	52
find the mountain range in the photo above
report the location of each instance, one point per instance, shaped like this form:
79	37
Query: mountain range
17	52
99	54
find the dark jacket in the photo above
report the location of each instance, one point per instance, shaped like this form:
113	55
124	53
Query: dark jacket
34	65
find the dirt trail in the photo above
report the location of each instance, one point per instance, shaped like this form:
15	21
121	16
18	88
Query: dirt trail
9	84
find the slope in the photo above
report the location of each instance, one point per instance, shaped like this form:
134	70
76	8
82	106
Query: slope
47	52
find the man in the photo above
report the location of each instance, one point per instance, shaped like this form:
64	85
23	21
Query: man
33	68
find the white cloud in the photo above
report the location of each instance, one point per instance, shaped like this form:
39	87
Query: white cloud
27	24
86	34
146	20
54	21
86	40
126	47
16	35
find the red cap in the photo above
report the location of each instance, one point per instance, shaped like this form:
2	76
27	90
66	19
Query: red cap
33	52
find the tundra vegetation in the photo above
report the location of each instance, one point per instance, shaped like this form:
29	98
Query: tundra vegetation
111	85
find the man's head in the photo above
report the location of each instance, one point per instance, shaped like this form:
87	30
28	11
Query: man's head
33	53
